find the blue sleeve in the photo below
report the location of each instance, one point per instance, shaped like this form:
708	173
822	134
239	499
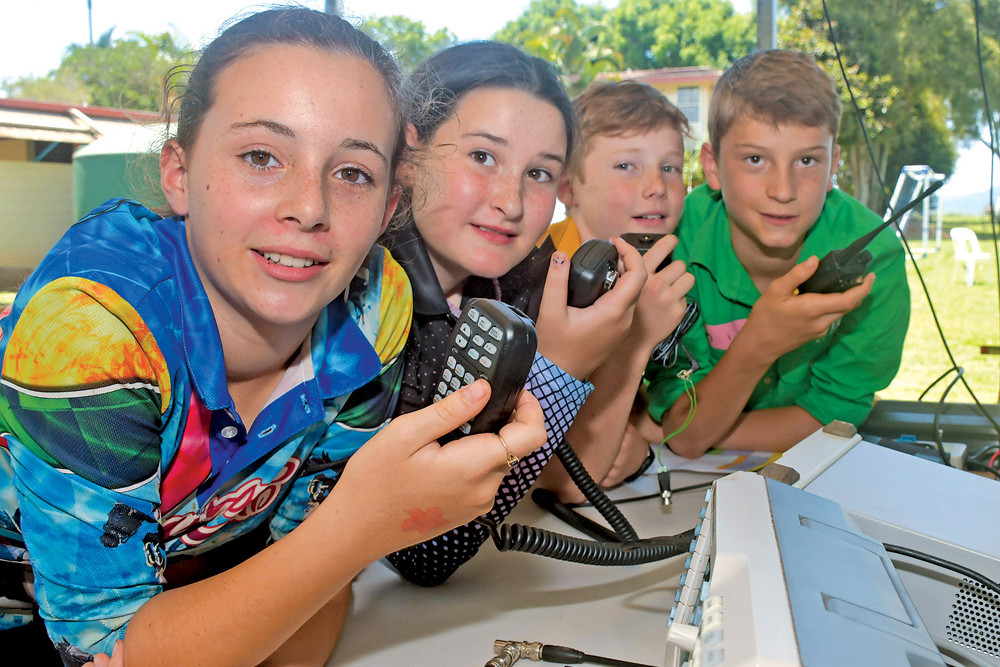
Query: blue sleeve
96	554
561	396
80	408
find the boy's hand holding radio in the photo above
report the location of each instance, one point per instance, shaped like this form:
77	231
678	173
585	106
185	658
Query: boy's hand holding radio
663	300
802	305
783	319
579	339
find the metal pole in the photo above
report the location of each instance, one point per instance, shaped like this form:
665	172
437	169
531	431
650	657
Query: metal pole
925	217
90	21
767	24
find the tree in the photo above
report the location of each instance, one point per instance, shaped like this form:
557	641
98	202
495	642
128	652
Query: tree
572	37
60	86
874	96
912	65
988	16
652	34
585	40
407	39
127	72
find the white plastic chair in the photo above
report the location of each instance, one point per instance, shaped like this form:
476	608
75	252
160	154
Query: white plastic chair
966	245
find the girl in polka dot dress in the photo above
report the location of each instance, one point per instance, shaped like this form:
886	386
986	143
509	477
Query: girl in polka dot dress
489	151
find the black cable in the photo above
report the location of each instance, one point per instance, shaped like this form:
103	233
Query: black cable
508	653
693	487
902	236
571	656
938	379
857	110
617	501
548	501
666	485
528	539
937	417
993	151
946	564
975	462
592	492
989	449
621	501
657	496
975	466
628	550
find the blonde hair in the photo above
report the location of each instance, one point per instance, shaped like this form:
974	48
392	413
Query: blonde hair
774	86
618	108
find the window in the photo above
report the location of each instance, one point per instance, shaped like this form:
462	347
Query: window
689	101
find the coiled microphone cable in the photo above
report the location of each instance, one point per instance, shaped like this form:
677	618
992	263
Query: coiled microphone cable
627	550
594	493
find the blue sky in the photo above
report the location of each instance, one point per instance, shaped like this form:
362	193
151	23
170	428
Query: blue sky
49	27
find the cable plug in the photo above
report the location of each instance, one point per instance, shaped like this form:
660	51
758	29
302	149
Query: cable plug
562	654
663	478
505	657
509	652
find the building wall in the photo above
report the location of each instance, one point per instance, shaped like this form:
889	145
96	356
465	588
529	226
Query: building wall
699	128
36	207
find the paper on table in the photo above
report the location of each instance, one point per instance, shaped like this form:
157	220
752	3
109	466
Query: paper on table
722	461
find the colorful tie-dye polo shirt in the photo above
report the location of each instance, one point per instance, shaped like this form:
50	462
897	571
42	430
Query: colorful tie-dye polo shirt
120	446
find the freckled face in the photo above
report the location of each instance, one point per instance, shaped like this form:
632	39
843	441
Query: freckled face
631	183
288	183
774	180
487	189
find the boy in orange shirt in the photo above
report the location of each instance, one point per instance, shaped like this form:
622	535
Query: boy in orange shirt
627	176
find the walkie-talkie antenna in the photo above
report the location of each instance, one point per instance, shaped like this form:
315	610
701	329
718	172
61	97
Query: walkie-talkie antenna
841	269
866	239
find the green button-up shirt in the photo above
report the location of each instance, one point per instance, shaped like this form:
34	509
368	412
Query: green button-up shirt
833	377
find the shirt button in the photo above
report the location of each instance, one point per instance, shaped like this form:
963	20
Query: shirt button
229	432
768	380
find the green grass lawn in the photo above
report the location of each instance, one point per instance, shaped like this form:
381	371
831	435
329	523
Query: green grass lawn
968	316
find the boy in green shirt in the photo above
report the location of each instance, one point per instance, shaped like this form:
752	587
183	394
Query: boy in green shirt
767	365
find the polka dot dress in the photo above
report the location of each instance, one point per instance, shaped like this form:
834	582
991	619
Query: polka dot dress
560	395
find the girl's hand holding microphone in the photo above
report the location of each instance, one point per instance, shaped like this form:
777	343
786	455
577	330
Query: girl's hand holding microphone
421	488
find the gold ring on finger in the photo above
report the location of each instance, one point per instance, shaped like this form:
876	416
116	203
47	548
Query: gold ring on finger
512	460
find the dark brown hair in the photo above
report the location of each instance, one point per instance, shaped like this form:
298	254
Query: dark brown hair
289	25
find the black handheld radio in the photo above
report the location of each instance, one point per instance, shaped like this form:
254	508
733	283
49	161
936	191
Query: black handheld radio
642	242
841	269
593	270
